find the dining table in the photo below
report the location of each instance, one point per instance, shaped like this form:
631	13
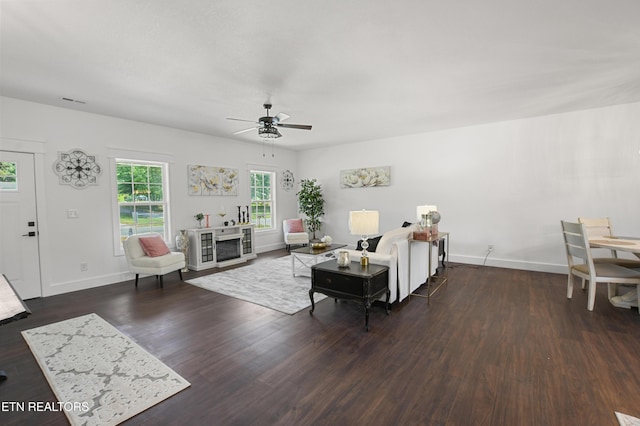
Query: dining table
627	244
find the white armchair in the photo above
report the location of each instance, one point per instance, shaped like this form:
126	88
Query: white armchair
148	254
294	233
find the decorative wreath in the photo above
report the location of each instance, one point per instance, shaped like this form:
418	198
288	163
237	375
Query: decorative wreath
77	169
286	180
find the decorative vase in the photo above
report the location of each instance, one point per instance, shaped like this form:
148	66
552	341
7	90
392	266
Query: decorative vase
343	259
182	244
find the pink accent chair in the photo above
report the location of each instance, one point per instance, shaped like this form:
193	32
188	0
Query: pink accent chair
294	233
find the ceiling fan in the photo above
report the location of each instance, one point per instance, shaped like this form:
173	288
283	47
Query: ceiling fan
268	125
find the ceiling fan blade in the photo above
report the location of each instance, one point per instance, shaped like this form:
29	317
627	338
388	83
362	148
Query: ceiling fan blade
282	116
295	126
240	119
245	130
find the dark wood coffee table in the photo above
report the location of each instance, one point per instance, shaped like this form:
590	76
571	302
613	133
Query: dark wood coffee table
354	282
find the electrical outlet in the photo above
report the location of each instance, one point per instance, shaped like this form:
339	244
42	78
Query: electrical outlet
84	267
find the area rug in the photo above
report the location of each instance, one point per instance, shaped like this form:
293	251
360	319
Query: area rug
11	306
99	375
627	420
270	284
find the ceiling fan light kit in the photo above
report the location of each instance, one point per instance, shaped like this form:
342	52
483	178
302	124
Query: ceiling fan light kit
268	125
269	132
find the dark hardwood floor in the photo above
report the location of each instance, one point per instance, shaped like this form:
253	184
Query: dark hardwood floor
495	347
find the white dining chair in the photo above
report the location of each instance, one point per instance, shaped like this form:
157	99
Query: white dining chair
601	227
581	265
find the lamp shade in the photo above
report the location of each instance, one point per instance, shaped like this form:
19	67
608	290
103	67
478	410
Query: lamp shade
422	210
363	222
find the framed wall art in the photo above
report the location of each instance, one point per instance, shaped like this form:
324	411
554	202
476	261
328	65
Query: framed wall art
365	177
206	180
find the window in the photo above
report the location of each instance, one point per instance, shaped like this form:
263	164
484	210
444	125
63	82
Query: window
8	175
262	199
142	198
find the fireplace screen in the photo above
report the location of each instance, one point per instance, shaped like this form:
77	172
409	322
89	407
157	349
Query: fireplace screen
227	249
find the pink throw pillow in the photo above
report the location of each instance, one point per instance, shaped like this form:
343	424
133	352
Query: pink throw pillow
294	225
154	246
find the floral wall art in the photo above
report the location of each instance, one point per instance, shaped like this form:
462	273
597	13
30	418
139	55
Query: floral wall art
205	180
365	177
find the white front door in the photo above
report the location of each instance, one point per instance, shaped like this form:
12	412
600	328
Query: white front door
19	254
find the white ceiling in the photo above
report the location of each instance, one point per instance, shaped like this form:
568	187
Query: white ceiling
355	70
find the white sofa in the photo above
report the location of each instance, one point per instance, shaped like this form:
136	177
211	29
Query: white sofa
407	260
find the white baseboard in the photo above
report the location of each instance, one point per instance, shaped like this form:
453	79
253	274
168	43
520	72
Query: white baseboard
99	281
511	264
270	247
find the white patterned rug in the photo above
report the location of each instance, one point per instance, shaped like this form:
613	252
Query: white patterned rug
270	284
99	375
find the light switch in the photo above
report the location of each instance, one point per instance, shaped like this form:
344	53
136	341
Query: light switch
72	214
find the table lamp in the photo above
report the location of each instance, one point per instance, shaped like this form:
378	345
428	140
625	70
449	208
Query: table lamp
364	223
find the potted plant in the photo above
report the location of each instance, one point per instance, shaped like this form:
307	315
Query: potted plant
311	203
199	217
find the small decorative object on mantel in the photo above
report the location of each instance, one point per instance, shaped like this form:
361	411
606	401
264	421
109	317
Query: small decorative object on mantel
77	169
222	212
199	217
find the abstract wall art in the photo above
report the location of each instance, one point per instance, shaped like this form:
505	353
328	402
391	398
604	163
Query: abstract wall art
206	180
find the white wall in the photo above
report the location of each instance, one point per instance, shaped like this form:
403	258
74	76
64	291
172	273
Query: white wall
507	184
65	243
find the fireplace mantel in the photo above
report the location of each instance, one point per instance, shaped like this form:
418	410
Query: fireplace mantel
220	246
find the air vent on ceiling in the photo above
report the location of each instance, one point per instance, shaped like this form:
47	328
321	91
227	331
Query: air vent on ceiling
73	100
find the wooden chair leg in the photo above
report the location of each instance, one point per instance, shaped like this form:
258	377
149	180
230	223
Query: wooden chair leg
180	272
137	275
570	286
161	283
591	299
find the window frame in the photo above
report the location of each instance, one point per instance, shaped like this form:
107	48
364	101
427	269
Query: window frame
144	160
272	199
9	182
